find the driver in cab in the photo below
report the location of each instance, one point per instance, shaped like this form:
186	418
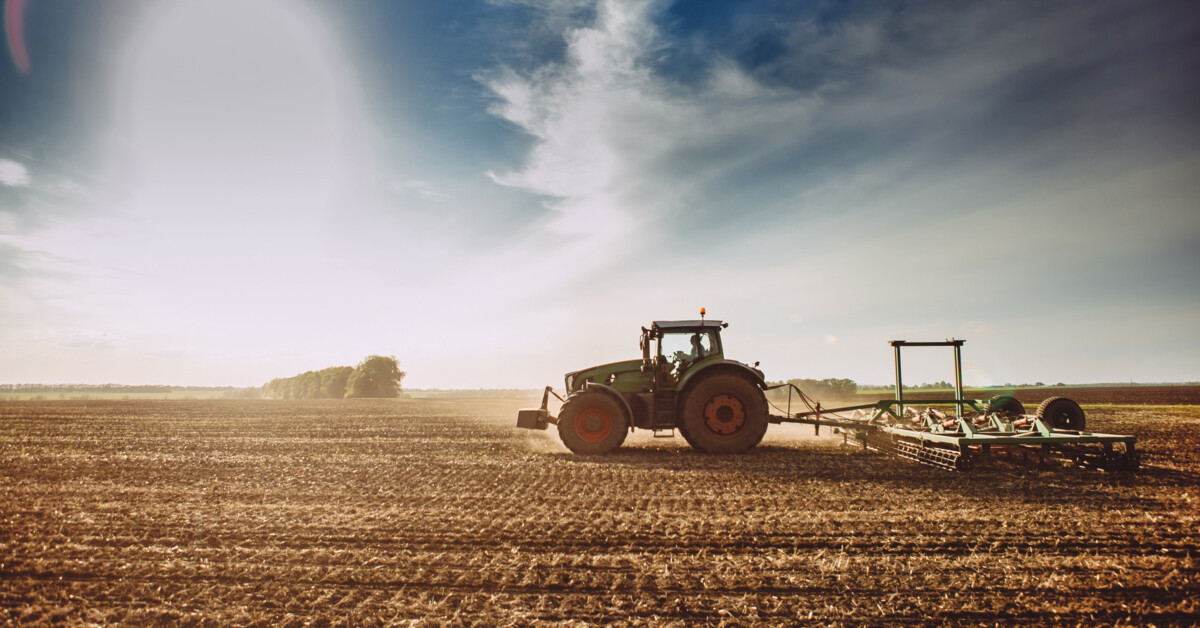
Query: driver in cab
697	348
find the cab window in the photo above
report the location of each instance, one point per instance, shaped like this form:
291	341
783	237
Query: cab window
684	347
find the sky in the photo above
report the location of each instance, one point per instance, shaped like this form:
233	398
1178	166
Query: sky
222	192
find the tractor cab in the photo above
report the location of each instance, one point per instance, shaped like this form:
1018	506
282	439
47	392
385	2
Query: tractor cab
671	349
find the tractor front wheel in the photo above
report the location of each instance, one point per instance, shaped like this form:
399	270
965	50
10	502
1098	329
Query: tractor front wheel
592	423
724	414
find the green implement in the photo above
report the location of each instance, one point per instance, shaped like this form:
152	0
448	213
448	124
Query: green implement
978	431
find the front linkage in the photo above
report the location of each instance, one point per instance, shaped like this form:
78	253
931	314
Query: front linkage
538	418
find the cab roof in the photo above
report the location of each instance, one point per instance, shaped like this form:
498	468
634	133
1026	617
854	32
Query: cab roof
685	325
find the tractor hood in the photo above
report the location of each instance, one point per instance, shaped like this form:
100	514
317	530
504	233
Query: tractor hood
602	374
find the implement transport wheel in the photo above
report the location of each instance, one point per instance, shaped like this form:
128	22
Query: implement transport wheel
1006	405
592	423
1060	413
724	414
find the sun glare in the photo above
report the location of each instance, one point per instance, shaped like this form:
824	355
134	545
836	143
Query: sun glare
233	110
231	125
233	115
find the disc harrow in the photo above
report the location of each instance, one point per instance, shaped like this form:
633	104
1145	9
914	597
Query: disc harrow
976	432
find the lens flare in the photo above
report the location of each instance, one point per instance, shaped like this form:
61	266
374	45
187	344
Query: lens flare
14	29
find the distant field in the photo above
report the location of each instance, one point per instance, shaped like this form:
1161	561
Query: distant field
374	512
1085	395
110	396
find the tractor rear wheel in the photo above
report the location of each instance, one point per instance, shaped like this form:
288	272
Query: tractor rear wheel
592	423
724	414
1060	413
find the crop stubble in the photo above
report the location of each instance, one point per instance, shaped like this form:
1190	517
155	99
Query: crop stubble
407	511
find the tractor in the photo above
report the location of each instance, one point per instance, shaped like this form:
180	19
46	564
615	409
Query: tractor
682	382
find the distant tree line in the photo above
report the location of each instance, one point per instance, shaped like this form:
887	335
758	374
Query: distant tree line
824	387
472	393
329	383
82	388
944	385
375	376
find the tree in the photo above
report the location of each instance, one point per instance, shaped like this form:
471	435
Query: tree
328	383
333	381
309	385
376	376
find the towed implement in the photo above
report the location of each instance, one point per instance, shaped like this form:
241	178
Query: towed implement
684	382
977	431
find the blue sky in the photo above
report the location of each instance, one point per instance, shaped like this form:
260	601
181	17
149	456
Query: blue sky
223	192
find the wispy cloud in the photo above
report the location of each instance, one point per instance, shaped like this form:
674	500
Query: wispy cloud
422	189
834	155
618	145
867	98
86	339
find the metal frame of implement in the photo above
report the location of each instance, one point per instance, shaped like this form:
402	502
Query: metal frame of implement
956	441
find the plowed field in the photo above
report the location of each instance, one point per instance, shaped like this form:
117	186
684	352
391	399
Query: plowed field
364	513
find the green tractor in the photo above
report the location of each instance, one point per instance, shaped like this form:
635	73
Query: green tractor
682	382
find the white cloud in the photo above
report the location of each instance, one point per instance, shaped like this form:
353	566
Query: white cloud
13	173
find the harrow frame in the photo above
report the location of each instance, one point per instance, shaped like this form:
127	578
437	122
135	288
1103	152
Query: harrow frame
958	441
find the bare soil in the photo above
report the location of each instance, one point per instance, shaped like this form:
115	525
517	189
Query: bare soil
441	512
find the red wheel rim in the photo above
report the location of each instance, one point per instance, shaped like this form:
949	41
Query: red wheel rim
724	416
593	424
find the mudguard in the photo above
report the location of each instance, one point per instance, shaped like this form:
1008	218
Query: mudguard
752	373
612	392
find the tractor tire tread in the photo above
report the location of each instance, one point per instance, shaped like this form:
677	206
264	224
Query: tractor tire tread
577	403
748	393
